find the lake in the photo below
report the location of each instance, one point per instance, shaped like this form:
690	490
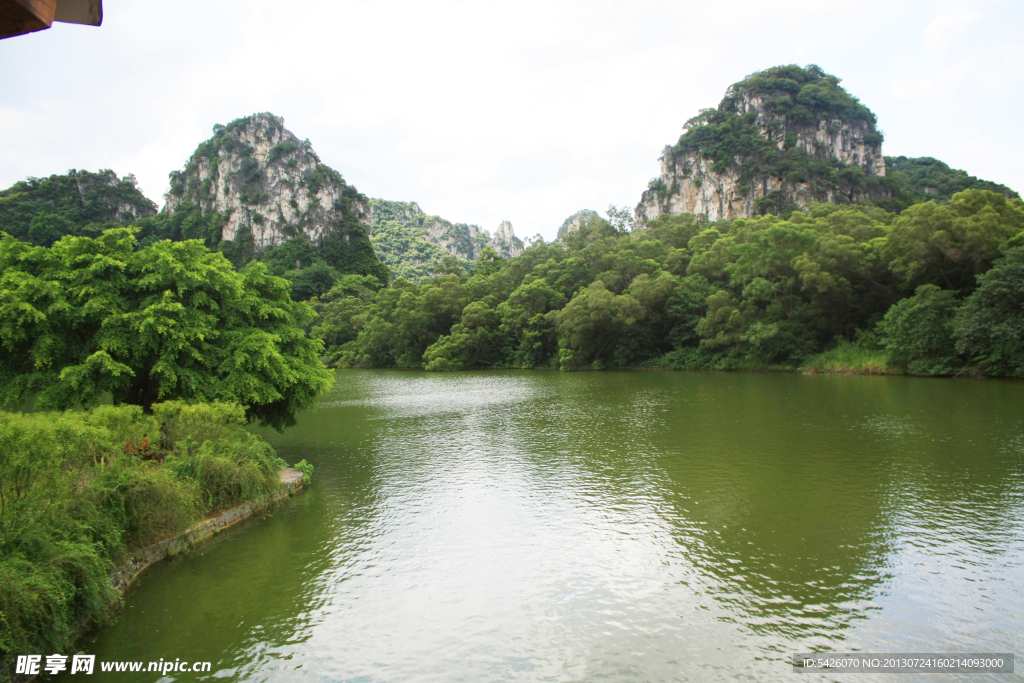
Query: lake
612	526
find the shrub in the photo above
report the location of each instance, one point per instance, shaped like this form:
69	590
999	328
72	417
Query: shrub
306	469
848	358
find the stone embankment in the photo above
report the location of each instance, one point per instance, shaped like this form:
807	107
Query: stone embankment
291	482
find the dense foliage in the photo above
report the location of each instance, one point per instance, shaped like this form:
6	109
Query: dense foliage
42	210
803	96
80	491
415	246
90	316
922	179
901	292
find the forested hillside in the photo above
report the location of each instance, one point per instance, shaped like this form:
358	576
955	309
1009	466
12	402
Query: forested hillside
923	179
415	246
42	210
934	290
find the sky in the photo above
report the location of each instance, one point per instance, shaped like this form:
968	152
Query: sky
487	111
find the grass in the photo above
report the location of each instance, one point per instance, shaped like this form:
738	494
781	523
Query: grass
851	359
81	490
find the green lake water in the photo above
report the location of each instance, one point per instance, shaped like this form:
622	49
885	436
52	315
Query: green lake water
545	526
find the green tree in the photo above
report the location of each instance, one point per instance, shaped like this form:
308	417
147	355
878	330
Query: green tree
342	312
593	325
989	326
529	334
951	244
172	320
314	281
47	228
917	332
473	341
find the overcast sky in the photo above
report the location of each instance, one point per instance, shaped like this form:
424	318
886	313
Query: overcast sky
487	111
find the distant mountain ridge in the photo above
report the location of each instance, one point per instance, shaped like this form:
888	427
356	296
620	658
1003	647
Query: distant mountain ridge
781	138
42	210
415	245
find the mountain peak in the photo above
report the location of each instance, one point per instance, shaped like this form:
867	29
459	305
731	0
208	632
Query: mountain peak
268	183
780	138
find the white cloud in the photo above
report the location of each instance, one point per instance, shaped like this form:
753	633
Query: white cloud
483	111
939	35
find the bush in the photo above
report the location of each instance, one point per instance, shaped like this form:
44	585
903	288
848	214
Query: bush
306	469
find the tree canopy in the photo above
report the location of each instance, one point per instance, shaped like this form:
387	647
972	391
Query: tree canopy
757	292
172	320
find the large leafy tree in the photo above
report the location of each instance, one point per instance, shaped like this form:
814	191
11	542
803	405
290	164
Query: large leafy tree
169	321
989	327
951	244
917	332
593	326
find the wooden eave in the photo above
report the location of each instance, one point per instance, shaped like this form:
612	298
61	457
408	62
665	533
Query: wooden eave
18	17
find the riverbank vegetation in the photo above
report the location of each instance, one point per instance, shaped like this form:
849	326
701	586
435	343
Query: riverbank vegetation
188	350
81	490
935	290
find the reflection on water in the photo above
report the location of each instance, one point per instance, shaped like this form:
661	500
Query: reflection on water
610	526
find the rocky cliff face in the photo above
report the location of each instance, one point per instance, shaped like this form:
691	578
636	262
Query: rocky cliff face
270	184
778	140
504	241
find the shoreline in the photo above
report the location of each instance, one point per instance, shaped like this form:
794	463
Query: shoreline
128	571
801	370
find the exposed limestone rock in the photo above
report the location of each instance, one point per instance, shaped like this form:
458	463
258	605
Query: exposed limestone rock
691	182
269	182
573	223
505	241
